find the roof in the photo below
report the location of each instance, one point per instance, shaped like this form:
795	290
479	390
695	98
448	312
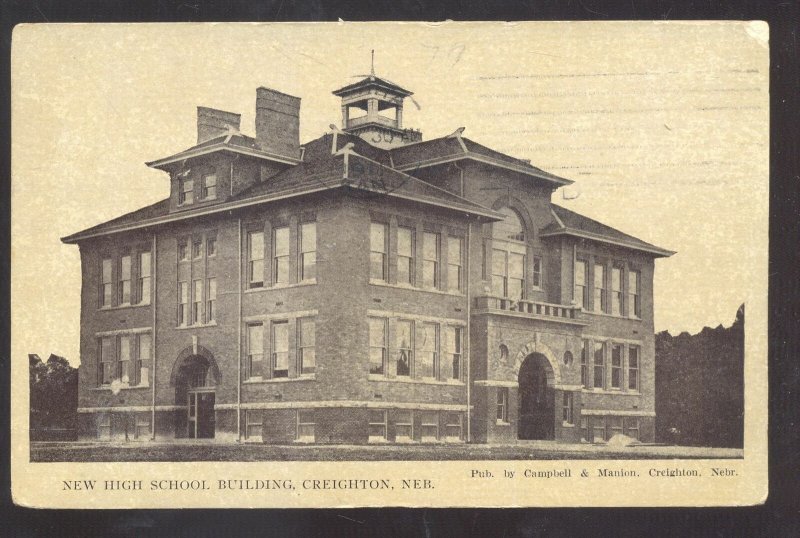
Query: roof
570	223
234	142
372	80
153	211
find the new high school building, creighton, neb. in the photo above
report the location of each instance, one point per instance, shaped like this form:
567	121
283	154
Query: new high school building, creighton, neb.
367	286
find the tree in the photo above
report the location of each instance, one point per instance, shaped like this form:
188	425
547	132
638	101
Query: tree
53	393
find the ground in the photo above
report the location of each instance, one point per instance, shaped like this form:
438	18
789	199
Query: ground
212	451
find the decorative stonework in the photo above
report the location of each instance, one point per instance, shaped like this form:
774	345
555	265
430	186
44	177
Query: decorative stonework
536	346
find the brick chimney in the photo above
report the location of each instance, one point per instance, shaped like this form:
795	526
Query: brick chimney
278	122
212	123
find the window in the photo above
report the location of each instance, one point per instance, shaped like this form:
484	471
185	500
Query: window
186	194
567	408
598	429
405	348
106	372
140	372
209	187
377	345
581	289
253	421
124	366
255	351
197	249
308	251
377	251
430	260
599	366
509	229
104	426
508	274
255	259
429	427
377	425
124	297
211	246
211	300
404	426
144	278
453	429
632	427
280	255
306	339
107	283
405	256
183	250
451	360
600	288
616	291
584	428
305	426
633	368
427	351
585	363
141	427
634	303
616	366
183	303
197	304
536	272
614	426
280	349
568	358
502	405
455	248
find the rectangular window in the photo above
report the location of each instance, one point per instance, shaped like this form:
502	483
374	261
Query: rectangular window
280	349
405	256
142	426
306	345
499	275
455	253
615	426
107	283
427	351
404	426
599	366
581	289
585	351
584	428
616	366
616	291
632	427
253	424
211	300
255	351
502	405
430	260
197	249
634	291
183	303
183	250
377	345
377	251
405	348
143	291
308	251
104	426
429	427
209	187
377	425
106	361
508	274
197	303
211	246
453	429
255	259
124	365
598	429
451	359
600	288
124	297
536	272
305	426
633	368
186	194
280	255
566	413
140	371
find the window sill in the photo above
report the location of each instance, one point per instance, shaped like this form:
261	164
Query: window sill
619	392
502	423
409	287
305	441
122	387
567	425
122	306
424	381
196	326
252	440
378	441
282	286
614	316
258	380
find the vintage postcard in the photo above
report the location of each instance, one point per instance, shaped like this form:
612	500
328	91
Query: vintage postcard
389	264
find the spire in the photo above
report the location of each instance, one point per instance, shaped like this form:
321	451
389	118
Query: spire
372	66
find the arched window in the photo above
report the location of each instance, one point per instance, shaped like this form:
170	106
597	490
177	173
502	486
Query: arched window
508	256
503	352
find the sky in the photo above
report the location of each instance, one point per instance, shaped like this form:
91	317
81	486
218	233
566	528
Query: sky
662	126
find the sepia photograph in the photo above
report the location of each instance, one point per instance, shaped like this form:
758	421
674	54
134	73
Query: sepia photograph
385	243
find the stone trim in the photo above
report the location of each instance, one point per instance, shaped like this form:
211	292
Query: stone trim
281	315
416	317
618	412
495	383
131	409
314	404
136	330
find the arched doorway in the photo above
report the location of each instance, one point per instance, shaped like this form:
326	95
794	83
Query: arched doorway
536	398
194	380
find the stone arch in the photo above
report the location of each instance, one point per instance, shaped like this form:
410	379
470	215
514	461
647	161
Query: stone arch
189	352
534	346
519	207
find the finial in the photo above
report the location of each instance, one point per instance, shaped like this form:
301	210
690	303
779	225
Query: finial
372	67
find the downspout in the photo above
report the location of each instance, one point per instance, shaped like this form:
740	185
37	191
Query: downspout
154	306
239	345
467	339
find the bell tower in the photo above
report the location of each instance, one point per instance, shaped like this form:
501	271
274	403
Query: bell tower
372	108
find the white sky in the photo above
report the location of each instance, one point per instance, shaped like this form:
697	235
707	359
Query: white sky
664	128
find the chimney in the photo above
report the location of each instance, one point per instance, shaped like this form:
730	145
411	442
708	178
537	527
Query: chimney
212	123
278	122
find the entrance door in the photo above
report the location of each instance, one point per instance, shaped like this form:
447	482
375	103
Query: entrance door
536	400
200	418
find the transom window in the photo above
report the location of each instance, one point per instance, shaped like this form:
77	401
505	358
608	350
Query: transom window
509	229
508	256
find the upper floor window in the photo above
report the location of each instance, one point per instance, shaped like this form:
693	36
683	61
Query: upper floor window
616	291
616	366
427	352
280	349
308	251
599	366
106	371
255	351
581	279
634	291
405	255
186	192
306	345
197	303
451	359
197	248
585	350
144	277
124	297
430	260
508	256
211	246
509	229
600	288
502	404
143	345
280	255
183	303
255	259
108	284
378	251
377	345
455	261
404	338
124	365
633	368
536	272
183	249
209	186
211	300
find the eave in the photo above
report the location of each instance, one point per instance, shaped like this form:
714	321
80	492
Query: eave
652	249
221	146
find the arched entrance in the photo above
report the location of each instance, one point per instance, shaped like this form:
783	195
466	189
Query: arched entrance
536	398
194	377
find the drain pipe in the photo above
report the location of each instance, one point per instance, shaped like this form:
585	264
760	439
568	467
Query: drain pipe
153	305
239	347
467	336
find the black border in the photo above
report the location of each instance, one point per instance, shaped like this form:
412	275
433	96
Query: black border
780	516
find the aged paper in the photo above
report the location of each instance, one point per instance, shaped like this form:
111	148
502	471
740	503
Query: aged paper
511	362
